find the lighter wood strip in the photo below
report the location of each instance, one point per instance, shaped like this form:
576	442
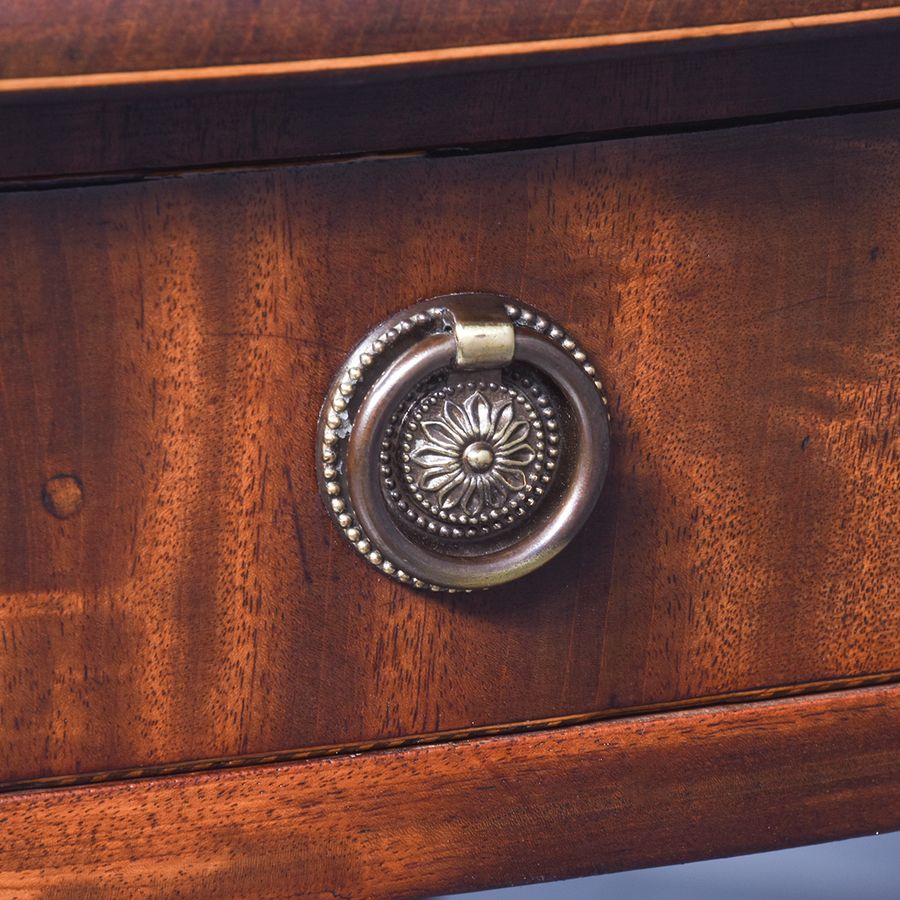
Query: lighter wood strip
766	27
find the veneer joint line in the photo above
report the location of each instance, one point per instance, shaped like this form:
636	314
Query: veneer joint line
785	692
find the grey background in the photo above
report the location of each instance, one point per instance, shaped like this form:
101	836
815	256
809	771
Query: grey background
858	869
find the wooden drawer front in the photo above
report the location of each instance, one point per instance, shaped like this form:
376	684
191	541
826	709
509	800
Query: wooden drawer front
169	342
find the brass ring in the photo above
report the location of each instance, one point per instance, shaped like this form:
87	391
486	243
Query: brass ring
518	523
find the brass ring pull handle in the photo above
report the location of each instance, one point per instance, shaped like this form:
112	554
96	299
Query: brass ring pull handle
463	443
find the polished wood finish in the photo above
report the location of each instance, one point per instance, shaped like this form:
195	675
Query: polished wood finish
604	85
46	37
168	343
479	731
424	821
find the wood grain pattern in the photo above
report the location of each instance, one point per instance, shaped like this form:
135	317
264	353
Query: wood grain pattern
168	343
424	821
441	737
46	37
416	105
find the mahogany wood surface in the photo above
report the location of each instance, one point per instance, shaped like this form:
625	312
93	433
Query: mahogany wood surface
462	816
180	594
608	84
49	37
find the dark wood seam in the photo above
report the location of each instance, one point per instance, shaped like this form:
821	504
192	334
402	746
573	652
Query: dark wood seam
204	765
107	179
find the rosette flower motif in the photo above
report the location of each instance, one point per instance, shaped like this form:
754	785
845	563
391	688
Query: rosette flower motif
473	455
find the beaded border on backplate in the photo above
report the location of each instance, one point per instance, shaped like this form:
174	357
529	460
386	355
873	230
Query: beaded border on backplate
337	425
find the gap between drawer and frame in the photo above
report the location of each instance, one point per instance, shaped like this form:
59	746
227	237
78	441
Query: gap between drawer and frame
442	737
554	91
